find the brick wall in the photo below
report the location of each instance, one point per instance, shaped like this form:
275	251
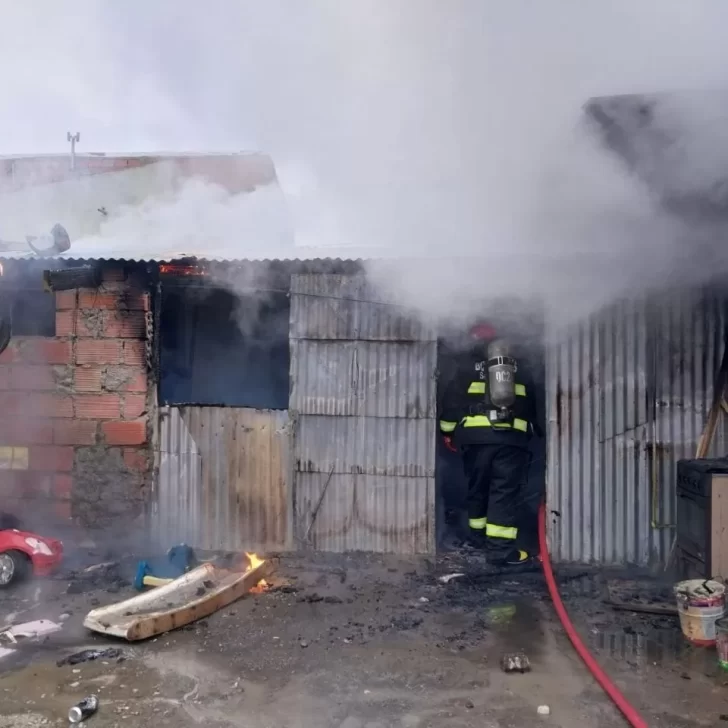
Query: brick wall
74	436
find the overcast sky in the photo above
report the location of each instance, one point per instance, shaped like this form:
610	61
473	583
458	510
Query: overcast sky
408	124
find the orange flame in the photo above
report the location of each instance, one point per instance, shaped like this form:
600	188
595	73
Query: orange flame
255	561
260	587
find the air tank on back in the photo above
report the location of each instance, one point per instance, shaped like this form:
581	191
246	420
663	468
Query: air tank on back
501	374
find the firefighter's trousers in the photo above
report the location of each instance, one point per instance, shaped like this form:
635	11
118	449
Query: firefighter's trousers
496	474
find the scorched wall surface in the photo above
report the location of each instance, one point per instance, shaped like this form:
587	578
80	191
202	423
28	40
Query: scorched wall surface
74	433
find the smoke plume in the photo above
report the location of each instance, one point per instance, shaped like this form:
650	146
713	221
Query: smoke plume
450	134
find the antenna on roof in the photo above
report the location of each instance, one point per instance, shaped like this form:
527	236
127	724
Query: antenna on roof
73	138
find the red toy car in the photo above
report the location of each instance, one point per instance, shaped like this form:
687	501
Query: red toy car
23	553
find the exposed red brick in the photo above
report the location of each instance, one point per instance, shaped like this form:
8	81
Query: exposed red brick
62	510
11	486
52	459
135	405
74	432
88	378
65	323
11	353
45	351
17	403
24	484
125	433
138	383
98	351
136	460
32	377
98	406
65	300
135	353
62	486
48	405
113	301
22	431
125	325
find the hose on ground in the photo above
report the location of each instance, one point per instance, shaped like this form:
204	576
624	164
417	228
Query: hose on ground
629	712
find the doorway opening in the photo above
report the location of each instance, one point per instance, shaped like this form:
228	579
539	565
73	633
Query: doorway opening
523	326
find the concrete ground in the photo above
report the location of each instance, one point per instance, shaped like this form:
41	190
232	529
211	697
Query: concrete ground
361	642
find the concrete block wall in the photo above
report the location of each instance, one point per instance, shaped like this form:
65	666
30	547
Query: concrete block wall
74	410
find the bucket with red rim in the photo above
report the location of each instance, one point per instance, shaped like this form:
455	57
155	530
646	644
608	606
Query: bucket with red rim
700	604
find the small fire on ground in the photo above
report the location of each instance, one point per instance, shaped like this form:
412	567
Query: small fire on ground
254	562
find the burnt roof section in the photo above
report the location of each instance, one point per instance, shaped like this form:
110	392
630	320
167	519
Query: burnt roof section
675	143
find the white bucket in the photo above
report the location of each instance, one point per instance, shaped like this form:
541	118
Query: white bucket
700	604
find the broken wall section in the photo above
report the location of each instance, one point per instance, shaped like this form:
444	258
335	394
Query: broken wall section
74	438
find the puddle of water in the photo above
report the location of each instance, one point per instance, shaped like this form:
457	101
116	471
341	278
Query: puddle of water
517	623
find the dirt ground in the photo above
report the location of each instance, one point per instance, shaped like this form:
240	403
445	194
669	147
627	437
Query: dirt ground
362	642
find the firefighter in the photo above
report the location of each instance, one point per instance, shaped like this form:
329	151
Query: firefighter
493	439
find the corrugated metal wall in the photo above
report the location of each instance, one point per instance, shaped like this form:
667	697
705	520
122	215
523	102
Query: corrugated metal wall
629	388
223	475
363	402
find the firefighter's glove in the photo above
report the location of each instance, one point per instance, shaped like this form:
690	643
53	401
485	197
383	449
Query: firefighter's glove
448	443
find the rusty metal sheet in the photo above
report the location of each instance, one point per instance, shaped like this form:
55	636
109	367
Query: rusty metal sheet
628	388
223	478
335	307
366	513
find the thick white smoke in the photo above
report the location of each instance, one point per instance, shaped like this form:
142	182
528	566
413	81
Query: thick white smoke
442	131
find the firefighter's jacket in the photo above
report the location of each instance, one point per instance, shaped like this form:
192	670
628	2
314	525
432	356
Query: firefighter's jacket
465	406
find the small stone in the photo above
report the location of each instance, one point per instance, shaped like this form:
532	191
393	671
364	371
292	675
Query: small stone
469	704
303	643
543	710
63	617
424	600
515	662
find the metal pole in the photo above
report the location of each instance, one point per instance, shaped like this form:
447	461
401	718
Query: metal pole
73	138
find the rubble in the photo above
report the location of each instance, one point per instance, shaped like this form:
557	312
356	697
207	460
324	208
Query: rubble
515	662
89	655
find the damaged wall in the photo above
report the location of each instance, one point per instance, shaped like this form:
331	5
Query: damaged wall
628	395
74	438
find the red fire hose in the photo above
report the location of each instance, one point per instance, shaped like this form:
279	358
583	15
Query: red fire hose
629	712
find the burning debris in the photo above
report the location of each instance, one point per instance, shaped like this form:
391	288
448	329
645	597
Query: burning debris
196	594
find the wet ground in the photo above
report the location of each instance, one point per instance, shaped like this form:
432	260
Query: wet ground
362	642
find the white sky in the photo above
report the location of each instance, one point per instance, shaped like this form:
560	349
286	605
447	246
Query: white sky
406	124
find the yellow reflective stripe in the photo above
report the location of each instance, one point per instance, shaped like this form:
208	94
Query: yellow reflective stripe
476	421
476	388
520	390
509	532
483	421
478	523
447	426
